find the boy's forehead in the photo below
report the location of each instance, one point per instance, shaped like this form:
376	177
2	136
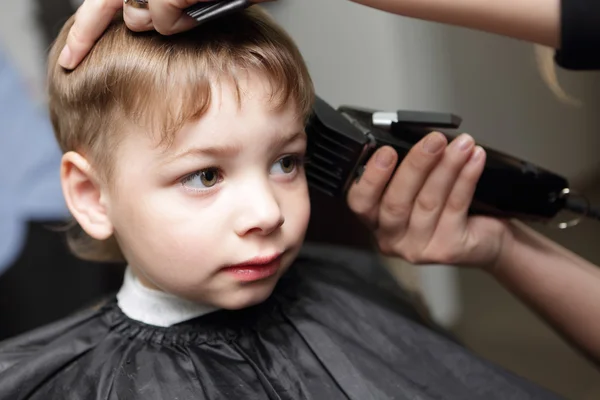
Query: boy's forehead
227	133
233	111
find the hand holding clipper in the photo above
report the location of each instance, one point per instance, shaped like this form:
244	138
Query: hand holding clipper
419	210
342	141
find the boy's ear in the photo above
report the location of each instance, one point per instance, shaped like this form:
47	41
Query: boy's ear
84	196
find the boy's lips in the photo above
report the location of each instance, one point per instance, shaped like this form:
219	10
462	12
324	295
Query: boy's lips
257	268
257	261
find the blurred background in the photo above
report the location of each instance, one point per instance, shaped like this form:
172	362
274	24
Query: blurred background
357	56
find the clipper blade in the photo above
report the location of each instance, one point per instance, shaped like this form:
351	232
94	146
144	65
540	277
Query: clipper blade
335	149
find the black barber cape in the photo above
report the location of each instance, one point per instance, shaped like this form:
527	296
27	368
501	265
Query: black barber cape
336	327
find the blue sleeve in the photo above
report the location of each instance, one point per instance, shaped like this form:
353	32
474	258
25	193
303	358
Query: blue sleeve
29	164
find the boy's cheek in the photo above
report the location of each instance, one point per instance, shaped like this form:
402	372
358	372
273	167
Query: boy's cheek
299	211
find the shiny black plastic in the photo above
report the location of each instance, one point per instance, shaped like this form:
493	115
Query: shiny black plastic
336	327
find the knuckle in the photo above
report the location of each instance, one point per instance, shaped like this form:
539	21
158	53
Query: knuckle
418	162
426	203
385	249
456	205
441	255
358	203
136	26
165	30
413	257
408	257
370	180
355	205
403	250
363	213
396	209
75	37
388	247
470	248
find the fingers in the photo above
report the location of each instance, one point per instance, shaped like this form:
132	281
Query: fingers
421	212
168	16
454	217
452	240
432	199
91	20
93	17
397	201
364	195
137	19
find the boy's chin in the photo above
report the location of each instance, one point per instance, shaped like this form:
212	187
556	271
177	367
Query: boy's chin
248	296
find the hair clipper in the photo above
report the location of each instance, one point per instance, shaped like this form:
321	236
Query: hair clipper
341	141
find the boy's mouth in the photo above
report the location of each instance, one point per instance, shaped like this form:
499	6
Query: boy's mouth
257	268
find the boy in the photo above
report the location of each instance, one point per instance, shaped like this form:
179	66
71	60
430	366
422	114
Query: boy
183	155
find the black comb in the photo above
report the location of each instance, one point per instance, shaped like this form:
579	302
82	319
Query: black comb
209	10
341	141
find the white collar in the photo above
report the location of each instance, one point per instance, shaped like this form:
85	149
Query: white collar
154	307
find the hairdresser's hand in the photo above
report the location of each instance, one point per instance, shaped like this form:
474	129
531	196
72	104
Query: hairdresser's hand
94	16
422	214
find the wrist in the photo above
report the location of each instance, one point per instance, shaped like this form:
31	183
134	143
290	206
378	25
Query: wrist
520	246
512	248
507	254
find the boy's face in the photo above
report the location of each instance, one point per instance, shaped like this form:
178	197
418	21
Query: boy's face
230	190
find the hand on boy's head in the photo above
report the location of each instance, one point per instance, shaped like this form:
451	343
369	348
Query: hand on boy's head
94	16
422	214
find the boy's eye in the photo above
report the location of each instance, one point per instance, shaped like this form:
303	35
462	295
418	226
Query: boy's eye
285	165
202	179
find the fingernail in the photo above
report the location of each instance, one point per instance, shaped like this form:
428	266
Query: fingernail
434	142
384	158
65	57
477	154
464	142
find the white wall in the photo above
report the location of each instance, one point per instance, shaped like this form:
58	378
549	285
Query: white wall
362	56
365	57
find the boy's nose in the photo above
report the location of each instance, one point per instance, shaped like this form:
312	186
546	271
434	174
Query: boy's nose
260	213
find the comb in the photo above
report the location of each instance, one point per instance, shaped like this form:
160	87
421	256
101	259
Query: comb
206	11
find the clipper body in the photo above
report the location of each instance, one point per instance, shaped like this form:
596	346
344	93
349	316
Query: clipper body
341	142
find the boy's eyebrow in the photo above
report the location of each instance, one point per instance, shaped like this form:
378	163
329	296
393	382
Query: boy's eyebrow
231	150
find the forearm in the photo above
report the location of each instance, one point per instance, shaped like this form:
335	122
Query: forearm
537	21
560	286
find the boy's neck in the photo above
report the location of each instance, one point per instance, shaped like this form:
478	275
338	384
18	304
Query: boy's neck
154	307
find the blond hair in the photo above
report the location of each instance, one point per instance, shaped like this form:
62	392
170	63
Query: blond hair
545	61
162	82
